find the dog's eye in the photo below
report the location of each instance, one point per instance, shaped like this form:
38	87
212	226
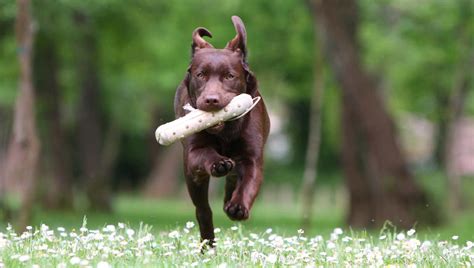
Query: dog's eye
200	75
229	76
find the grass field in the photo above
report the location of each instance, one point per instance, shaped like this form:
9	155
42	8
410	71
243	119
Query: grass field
151	233
284	218
124	246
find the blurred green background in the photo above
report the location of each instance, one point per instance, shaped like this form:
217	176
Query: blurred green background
105	73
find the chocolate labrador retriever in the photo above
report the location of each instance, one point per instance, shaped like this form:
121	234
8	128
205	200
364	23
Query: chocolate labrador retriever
234	148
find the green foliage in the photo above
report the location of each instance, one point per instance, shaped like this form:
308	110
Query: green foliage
414	49
419	48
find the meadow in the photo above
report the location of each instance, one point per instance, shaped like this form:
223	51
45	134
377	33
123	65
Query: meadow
163	233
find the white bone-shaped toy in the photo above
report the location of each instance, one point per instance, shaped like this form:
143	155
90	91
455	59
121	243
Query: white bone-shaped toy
197	120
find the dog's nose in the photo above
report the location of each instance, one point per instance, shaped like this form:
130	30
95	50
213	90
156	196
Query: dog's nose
212	102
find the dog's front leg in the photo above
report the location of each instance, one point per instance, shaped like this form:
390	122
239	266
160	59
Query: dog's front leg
198	191
246	190
199	165
206	161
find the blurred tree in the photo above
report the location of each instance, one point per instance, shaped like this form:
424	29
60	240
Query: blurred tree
23	151
380	184
56	152
163	180
457	95
426	56
314	136
90	121
455	112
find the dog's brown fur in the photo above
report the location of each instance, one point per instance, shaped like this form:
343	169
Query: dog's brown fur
233	149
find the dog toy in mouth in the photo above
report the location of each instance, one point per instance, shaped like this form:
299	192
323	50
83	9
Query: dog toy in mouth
197	120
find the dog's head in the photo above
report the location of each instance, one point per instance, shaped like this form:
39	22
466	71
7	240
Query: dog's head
215	76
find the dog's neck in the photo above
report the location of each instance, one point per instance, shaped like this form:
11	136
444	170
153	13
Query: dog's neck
232	130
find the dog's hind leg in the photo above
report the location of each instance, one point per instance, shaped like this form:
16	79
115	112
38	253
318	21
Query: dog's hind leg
198	191
246	190
230	184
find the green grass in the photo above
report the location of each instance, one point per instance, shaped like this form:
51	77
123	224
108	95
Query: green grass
167	214
122	246
283	217
249	245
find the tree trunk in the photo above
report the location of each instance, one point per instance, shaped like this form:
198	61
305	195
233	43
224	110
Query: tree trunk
90	134
58	193
24	145
395	195
314	140
5	125
353	150
163	178
454	113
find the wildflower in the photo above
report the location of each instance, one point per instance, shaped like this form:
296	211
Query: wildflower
103	264
24	258
411	232
61	265
254	256
269	230
75	260
331	259
130	232
173	234
109	228
400	236
271	258
300	231
61	229
189	224
222	265
331	245
337	231
412	244
217	230
455	237
425	245
382	237
234	228
121	225
29	228
469	245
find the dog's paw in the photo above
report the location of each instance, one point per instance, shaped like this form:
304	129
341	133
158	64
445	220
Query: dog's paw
236	211
222	167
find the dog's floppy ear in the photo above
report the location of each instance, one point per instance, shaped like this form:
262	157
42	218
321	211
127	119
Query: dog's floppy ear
198	41
239	42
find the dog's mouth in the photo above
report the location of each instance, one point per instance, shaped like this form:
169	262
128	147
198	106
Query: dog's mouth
217	128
